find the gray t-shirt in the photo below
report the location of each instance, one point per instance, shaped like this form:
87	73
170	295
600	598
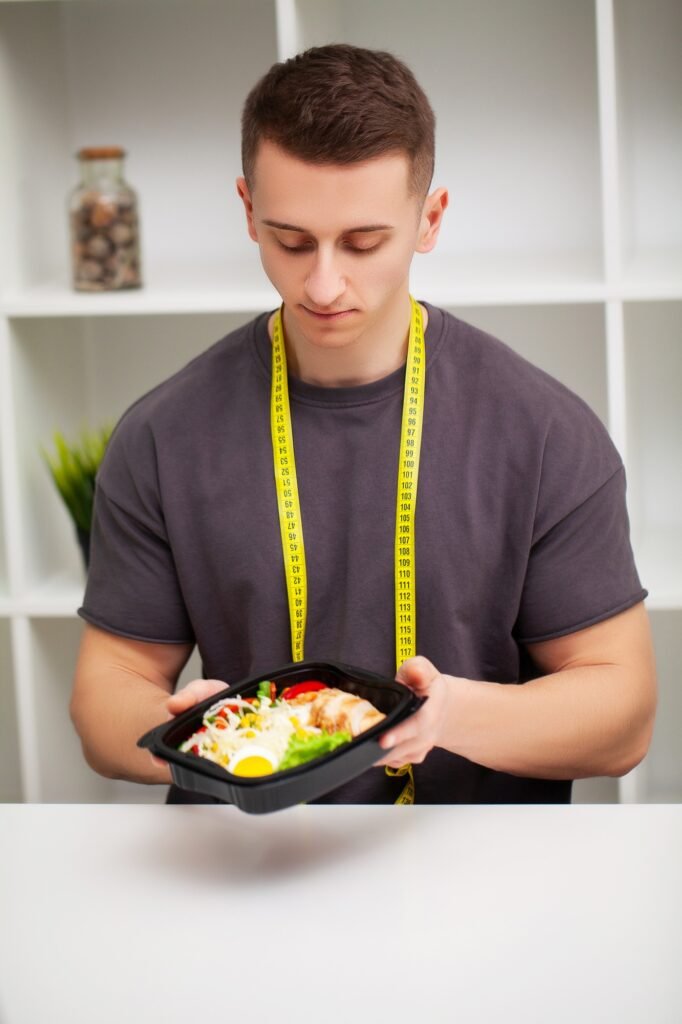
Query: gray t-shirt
521	526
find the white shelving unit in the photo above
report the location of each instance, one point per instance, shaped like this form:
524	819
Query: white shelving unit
560	142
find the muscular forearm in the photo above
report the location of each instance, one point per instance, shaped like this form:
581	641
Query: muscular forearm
111	716
574	724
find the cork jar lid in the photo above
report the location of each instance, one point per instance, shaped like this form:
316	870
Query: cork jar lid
101	153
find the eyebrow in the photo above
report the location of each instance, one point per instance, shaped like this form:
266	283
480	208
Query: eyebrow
350	231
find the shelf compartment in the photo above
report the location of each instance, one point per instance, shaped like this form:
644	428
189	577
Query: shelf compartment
10	773
517	138
63	774
653	371
649	87
568	342
74	372
662	767
165	81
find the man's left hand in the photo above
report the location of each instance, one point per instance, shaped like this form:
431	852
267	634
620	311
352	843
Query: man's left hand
412	740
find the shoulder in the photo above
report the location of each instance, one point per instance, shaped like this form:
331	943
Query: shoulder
207	379
491	376
523	415
182	405
202	379
493	372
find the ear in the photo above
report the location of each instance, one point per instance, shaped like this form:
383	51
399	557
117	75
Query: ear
431	220
245	197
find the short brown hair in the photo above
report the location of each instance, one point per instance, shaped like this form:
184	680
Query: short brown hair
339	104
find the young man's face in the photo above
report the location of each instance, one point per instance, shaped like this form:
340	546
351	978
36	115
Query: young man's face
337	240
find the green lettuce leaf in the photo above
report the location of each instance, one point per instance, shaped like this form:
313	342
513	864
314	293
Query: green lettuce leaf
301	750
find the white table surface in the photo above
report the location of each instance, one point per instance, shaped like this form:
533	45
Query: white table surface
459	914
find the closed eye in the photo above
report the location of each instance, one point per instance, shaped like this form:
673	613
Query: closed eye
305	248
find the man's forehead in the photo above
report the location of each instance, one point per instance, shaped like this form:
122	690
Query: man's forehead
280	176
330	200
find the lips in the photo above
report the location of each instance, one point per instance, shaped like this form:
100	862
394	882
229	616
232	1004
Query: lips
329	316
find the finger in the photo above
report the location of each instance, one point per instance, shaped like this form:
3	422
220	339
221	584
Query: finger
399	735
194	693
403	755
401	747
407	730
418	673
389	761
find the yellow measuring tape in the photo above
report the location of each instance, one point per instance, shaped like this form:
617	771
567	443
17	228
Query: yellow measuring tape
289	507
287	492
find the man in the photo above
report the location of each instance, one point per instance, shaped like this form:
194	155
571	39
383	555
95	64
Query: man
524	572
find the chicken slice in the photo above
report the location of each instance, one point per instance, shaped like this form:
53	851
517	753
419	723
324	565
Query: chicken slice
335	709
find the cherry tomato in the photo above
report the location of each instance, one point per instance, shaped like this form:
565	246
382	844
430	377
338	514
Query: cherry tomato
307	687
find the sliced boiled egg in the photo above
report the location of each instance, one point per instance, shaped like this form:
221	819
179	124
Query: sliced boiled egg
252	761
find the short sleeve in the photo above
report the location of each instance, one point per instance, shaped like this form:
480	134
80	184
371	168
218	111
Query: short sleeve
133	588
582	569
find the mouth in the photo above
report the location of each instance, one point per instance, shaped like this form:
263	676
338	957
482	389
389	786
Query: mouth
329	317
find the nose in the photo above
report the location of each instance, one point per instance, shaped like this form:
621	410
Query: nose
325	283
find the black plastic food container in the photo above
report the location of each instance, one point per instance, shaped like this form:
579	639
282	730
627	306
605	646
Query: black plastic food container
306	781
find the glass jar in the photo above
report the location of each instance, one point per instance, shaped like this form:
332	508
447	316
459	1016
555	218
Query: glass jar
105	240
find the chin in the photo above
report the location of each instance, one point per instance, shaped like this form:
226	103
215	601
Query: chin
327	339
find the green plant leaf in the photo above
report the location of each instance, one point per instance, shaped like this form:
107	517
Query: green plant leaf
74	469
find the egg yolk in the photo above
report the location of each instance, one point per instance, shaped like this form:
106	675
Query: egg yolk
252	766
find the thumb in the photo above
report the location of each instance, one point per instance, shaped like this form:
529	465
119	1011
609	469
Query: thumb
418	673
194	693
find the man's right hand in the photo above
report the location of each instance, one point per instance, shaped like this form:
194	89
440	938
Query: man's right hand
193	693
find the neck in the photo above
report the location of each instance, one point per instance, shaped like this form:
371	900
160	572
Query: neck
372	355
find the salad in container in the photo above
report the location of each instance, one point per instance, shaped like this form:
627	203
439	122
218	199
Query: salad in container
283	737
